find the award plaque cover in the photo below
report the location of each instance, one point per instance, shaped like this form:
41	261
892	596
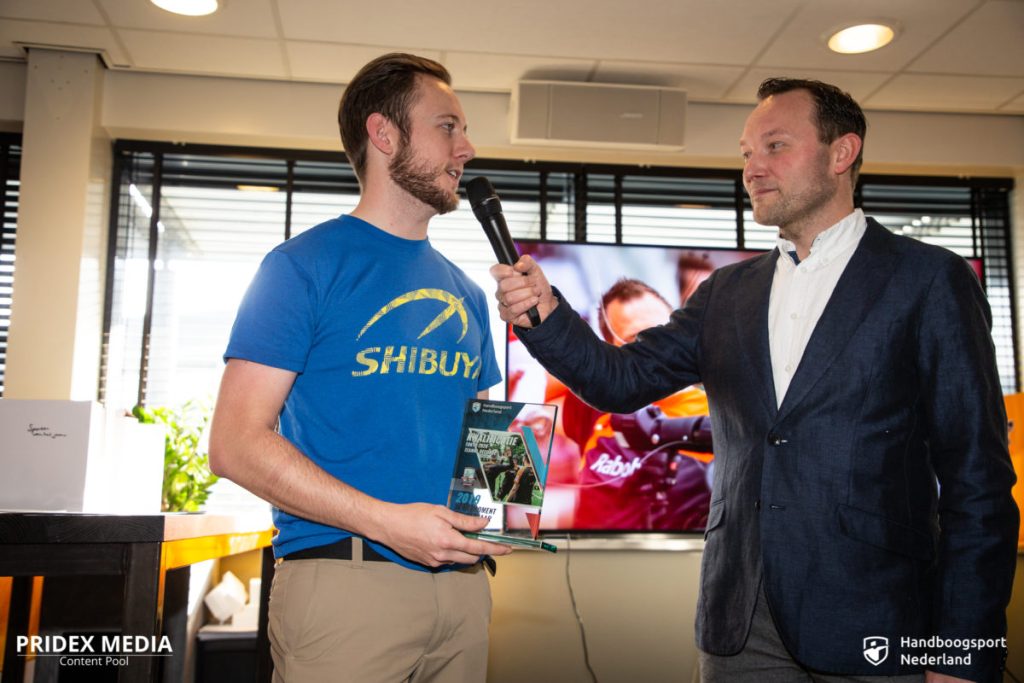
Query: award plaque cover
502	460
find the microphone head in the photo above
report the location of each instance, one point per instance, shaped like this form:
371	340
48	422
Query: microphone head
479	190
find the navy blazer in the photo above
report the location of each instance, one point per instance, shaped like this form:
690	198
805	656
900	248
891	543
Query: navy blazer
831	498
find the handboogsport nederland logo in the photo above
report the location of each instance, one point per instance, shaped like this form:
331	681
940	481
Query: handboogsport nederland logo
876	649
414	359
930	652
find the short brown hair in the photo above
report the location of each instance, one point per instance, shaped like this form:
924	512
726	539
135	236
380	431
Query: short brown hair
625	289
387	86
836	112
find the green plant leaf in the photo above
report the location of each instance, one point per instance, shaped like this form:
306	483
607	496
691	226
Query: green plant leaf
187	476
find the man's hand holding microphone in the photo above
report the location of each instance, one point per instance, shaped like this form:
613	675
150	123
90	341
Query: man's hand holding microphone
521	288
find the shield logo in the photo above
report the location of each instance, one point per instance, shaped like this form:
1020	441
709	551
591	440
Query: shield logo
876	649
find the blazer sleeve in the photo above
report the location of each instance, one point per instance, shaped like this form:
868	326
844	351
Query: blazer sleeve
661	361
967	439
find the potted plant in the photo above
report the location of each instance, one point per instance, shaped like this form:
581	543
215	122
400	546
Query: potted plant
187	476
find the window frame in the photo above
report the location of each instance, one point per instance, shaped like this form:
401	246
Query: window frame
576	181
10	184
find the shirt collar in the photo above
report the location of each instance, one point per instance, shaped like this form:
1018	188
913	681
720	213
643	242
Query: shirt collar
828	245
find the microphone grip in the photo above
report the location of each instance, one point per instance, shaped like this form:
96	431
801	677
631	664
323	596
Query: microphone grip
505	250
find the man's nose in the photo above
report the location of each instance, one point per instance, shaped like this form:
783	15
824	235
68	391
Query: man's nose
465	149
752	168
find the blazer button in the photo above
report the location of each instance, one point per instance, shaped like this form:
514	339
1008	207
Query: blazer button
775	440
757	505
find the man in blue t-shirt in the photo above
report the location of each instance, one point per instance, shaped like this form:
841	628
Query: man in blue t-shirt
353	354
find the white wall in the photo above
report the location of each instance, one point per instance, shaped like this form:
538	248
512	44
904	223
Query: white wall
213	110
303	115
637	609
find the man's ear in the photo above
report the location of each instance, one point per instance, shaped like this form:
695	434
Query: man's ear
381	133
844	152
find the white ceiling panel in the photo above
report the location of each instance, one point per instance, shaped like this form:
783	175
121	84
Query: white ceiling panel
671	30
701	82
331	21
70	11
718	50
803	41
91	38
945	93
651	30
219	55
858	84
989	41
501	72
334	63
253	18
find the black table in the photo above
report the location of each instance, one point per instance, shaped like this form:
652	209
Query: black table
144	549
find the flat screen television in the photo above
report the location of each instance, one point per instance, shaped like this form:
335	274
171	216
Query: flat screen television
605	473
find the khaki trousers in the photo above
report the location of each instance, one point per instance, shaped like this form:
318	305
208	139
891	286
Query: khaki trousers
349	620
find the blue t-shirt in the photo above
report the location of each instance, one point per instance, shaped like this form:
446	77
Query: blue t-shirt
388	339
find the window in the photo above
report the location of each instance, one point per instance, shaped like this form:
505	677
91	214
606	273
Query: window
691	212
191	232
10	163
970	218
193	222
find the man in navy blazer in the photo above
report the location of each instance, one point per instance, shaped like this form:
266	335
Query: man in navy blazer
861	522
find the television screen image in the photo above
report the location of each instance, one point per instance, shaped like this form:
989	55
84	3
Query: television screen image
647	471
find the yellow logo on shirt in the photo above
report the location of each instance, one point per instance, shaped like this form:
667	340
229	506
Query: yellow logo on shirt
415	359
454	306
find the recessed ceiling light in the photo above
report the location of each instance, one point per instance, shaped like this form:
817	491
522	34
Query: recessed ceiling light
861	38
190	8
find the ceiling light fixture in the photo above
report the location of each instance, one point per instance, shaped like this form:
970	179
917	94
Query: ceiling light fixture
854	40
257	188
190	8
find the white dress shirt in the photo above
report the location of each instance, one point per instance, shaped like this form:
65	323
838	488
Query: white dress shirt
801	290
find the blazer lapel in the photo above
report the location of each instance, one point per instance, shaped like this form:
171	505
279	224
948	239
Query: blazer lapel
857	290
752	327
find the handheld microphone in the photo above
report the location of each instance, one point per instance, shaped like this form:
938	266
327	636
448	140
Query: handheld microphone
487	209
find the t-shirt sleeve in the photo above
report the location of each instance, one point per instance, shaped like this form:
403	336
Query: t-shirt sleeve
277	317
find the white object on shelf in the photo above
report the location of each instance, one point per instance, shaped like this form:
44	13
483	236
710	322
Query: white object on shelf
227	598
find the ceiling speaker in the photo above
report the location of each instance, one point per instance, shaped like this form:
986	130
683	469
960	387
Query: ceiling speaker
598	115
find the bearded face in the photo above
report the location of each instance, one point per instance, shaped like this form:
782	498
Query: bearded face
431	184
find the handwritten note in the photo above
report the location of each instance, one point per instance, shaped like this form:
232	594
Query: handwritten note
46	432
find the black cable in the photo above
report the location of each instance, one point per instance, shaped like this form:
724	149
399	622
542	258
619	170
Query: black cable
576	609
